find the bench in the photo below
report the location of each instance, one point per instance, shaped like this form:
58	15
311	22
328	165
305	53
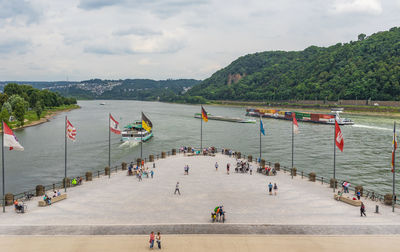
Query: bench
42	203
347	199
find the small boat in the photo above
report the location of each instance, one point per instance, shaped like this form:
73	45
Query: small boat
102	103
301	116
135	133
226	119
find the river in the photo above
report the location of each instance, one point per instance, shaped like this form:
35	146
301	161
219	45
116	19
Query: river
365	160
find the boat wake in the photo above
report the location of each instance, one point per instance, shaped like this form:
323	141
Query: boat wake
129	144
370	127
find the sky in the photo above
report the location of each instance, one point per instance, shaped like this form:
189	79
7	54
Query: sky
54	40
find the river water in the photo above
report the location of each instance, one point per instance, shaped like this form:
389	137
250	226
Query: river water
365	160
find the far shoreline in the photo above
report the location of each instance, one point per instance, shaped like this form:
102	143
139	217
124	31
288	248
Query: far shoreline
50	114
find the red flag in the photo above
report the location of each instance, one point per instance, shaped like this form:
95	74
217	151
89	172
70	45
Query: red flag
71	131
10	140
295	125
339	137
204	114
394	144
114	125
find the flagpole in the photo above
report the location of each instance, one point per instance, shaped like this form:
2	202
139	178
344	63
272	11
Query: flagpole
260	138
394	164
292	143
201	129
109	145
334	156
2	161
65	159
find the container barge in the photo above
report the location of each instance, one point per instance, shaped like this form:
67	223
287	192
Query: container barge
226	119
301	116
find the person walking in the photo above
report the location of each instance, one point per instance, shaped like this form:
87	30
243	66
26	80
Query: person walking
275	189
177	188
362	210
151	239
152	173
270	188
251	169
158	240
187	169
358	194
227	168
216	166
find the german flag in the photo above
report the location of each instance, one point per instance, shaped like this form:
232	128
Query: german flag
204	114
146	123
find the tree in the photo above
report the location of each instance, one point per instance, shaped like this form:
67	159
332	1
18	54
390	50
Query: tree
38	108
14	99
19	111
4	115
361	37
7	106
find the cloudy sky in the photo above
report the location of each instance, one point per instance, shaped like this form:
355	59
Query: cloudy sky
113	39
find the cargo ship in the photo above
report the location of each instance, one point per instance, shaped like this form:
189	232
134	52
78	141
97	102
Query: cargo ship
227	119
301	116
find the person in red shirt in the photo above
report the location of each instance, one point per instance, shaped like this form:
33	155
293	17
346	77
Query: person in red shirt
151	240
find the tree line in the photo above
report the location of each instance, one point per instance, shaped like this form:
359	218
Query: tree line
368	68
17	99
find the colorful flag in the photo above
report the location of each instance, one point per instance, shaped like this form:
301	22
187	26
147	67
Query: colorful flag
204	114
146	123
114	125
262	127
10	140
338	137
295	125
394	145
71	131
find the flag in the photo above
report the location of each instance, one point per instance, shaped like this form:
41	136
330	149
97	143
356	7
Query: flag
114	125
71	131
295	125
394	145
262	127
338	137
204	114
146	123
10	140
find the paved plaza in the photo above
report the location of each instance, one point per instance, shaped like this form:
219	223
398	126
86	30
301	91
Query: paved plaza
123	201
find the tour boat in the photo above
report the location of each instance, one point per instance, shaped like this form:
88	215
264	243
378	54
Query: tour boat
135	133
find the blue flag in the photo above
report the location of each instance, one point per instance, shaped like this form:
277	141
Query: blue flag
262	127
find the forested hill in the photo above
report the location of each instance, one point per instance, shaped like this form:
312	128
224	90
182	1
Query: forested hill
362	69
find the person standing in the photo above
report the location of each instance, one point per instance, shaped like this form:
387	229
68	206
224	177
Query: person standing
362	210
151	239
251	169
227	168
158	239
177	188
270	188
275	189
187	169
358	194
152	173
216	166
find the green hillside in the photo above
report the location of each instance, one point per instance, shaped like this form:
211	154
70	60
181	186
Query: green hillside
362	69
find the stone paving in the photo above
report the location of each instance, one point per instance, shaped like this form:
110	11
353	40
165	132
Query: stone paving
123	200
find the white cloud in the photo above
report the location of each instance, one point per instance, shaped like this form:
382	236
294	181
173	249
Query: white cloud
358	6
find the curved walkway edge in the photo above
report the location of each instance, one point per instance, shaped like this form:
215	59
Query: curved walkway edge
216	228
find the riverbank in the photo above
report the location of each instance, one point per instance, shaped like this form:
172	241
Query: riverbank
47	115
355	110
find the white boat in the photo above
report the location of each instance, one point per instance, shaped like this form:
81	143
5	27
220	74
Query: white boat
102	103
340	120
133	132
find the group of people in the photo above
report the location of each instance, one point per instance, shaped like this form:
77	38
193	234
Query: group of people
140	171
269	171
47	198
272	187
218	214
19	207
157	238
77	181
243	166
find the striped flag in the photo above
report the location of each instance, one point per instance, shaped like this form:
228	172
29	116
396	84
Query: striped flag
204	114
394	147
10	140
146	123
295	125
262	127
71	131
114	125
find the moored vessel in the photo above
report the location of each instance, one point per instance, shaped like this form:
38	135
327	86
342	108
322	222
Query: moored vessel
135	132
227	119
